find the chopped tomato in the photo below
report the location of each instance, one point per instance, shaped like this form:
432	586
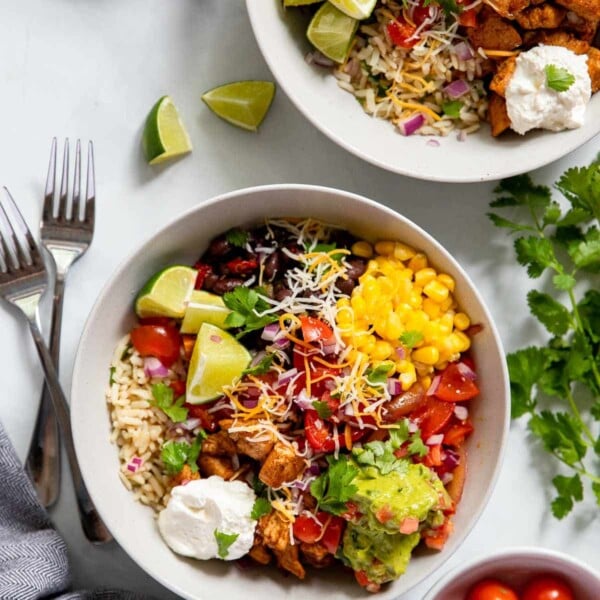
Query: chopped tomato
436	538
459	475
307	529
491	589
319	435
364	581
384	514
457	434
333	533
401	32
178	387
434	456
314	330
454	386
208	420
420	14
161	341
468	18
352	513
547	587
432	417
404	404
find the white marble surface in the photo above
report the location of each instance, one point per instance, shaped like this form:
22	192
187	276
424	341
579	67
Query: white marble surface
92	69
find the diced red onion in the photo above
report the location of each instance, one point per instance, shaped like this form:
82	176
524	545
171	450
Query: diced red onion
287	376
217	339
412	426
433	143
249	402
435	384
466	371
190	424
329	348
434	440
134	464
303	401
314	469
318	59
401	352
154	368
257	358
394	386
461	412
450	460
301	485
456	89
463	51
282	343
412	124
136	460
269	332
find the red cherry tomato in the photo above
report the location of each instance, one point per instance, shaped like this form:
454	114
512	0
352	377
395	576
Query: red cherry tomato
319	435
457	434
161	341
432	416
454	386
421	13
333	533
314	329
491	589
547	587
468	18
307	529
400	33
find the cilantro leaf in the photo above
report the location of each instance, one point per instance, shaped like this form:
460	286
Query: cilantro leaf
580	186
411	338
247	306
322	408
260	508
552	314
111	378
334	487
564	282
195	449
163	398
417	446
596	490
499	221
174	455
224	542
378	375
450	7
589	311
585	253
261	367
561	435
327	248
570	490
558	78
452	109
523	192
237	237
535	253
525	367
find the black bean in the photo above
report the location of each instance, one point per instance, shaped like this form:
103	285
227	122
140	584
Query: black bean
209	281
345	285
280	292
272	265
356	267
226	284
219	246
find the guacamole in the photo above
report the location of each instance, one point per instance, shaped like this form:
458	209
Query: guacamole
392	508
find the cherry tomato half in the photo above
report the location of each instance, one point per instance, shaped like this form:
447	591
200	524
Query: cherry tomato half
547	587
314	329
319	435
160	341
491	589
307	529
432	416
454	386
401	32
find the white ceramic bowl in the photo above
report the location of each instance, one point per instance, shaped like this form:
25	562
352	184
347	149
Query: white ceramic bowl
515	566
182	241
314	91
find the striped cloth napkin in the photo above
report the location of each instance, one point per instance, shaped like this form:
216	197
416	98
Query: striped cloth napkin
33	557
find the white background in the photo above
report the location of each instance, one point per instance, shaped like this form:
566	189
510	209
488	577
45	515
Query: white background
92	69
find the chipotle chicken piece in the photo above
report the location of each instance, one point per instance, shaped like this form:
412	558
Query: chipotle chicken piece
282	465
216	465
545	16
558	38
243	445
186	474
494	33
288	559
316	554
259	553
509	8
497	114
218	444
594	68
275	532
505	71
588	9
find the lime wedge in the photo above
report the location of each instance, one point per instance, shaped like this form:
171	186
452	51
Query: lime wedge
218	360
164	136
357	9
331	32
242	103
167	293
204	307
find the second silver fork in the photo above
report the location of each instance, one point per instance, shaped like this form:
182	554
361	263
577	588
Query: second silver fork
66	236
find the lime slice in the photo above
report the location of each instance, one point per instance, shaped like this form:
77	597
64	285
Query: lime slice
242	103
218	360
357	9
167	293
204	307
164	136
331	32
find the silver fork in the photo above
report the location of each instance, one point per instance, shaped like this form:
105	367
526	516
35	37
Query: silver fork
66	237
23	281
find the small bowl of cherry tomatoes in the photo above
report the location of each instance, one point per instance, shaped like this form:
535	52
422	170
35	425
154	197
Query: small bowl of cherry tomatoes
519	574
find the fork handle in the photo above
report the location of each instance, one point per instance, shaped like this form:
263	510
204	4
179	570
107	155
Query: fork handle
43	458
93	527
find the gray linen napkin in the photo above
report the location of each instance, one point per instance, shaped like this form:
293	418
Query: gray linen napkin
33	557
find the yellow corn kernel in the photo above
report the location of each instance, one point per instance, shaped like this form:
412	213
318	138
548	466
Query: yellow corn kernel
428	355
370	290
446	323
436	291
361	324
423	369
393	326
345	317
343	302
369	344
461	321
418	262
382	350
425	382
452	344
404	366
362	249
403	252
431	308
384	247
359	305
424	276
465	342
403	289
415	298
447	304
408	379
447	280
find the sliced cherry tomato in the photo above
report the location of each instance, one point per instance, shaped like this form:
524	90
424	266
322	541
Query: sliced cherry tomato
333	533
421	13
432	416
491	589
161	341
314	329
400	33
203	271
319	436
457	433
468	18
404	404
307	529
547	587
241	266
454	386
178	388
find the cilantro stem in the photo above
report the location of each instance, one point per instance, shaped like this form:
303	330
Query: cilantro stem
577	414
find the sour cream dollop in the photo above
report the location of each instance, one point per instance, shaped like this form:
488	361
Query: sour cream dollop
200	510
532	104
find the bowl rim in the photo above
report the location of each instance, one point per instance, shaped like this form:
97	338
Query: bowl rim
516	552
538	159
78	379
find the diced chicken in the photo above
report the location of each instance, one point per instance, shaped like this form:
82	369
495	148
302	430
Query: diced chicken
584	29
497	114
259	553
282	465
545	16
275	533
218	444
588	9
494	33
257	450
288	559
594	68
186	474
505	71
316	554
559	38
216	465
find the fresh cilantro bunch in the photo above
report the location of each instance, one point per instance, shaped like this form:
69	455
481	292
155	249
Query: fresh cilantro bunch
557	386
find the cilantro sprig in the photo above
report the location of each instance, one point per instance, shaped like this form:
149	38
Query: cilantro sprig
558	78
175	455
247	305
557	386
334	487
163	397
224	542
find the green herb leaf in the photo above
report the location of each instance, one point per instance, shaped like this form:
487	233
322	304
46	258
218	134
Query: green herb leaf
261	367
525	367
552	314
322	408
561	435
174	455
163	399
237	237
585	254
450	7
111	379
564	282
378	375
224	542
558	78
580	185
417	446
195	449
570	490
410	339
247	304
534	253
260	508
334	487
452	109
